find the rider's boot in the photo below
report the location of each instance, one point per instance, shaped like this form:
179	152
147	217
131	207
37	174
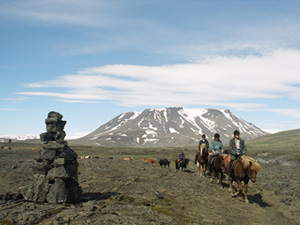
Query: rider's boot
208	171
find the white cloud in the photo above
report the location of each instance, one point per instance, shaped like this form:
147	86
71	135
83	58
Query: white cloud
14	99
218	81
10	109
89	13
294	113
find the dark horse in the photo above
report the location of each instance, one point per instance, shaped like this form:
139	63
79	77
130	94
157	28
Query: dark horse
218	167
183	164
164	162
245	169
202	159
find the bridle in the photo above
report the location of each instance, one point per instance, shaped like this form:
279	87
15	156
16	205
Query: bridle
247	173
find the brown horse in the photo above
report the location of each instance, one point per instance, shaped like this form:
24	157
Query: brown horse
202	159
218	167
245	169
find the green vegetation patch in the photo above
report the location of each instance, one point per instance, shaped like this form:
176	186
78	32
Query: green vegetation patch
170	207
55	211
6	222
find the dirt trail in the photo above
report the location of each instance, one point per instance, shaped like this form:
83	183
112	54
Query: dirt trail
134	192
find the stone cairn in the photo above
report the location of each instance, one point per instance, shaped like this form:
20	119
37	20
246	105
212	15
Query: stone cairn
56	178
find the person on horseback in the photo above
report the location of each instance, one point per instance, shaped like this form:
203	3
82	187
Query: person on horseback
181	156
202	141
216	148
237	148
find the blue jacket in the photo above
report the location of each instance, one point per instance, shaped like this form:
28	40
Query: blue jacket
180	158
217	146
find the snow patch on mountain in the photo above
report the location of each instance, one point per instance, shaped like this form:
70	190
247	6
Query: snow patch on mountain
171	126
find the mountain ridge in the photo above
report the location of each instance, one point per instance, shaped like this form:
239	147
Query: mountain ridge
174	126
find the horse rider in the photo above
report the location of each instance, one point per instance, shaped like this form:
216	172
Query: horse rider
181	156
202	141
216	148
237	148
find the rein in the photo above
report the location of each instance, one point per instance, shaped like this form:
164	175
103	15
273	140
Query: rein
246	172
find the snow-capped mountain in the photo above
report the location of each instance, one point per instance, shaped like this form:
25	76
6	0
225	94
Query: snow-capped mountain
170	127
21	137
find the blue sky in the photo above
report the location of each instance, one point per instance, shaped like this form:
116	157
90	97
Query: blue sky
92	60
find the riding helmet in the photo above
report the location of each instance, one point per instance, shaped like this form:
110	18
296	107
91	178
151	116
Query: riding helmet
217	135
236	132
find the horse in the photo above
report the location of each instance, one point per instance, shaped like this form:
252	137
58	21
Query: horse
183	164
151	160
218	167
245	169
164	162
202	159
5	147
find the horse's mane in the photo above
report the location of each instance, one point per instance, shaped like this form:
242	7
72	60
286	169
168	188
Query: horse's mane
246	161
203	146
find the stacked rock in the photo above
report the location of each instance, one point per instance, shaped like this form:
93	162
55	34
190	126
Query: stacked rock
56	177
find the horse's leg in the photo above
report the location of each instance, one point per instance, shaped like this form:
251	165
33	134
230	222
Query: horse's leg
220	178
213	175
246	191
200	169
230	185
240	188
203	169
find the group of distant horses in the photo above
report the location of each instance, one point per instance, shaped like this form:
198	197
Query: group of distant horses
6	147
243	169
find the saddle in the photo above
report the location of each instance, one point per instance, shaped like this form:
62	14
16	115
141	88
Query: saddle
212	161
234	163
232	166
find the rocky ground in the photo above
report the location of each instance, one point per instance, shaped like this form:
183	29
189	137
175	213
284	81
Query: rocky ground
117	191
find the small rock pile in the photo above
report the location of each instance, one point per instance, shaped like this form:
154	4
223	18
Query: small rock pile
56	177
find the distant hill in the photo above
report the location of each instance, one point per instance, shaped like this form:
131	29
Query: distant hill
169	127
284	139
284	144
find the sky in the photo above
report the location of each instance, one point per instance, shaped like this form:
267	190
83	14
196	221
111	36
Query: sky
91	60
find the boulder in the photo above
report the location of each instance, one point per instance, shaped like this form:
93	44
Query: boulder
58	172
37	189
58	192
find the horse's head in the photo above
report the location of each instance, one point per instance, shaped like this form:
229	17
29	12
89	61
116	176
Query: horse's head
252	171
226	162
186	161
223	167
219	163
250	167
202	149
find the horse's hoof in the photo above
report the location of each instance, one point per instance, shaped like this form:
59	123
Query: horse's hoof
211	180
234	194
246	201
